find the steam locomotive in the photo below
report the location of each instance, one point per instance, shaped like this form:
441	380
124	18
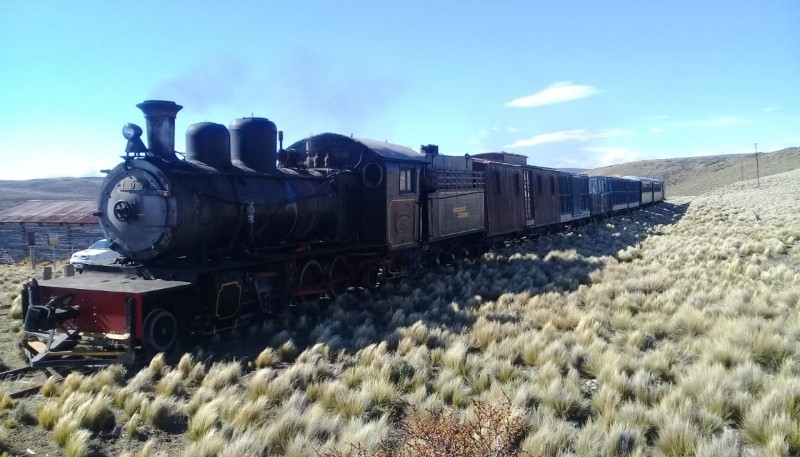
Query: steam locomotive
241	227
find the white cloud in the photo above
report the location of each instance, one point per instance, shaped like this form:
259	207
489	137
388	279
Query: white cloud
568	135
555	93
770	109
612	156
656	130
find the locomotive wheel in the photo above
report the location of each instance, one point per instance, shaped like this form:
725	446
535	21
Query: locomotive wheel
338	274
160	330
310	283
459	253
443	257
372	277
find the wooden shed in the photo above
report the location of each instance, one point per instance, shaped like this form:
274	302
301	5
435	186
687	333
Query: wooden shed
52	228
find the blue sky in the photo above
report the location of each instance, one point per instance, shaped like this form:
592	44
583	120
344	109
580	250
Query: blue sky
570	84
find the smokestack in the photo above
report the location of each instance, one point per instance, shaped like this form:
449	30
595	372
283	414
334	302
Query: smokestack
160	117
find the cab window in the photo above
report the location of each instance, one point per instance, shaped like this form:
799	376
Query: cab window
407	181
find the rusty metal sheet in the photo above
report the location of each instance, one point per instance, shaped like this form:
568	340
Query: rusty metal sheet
51	212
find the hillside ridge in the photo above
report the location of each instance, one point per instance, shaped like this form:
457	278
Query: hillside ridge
697	175
683	176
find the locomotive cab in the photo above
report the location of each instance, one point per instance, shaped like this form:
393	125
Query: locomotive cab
387	208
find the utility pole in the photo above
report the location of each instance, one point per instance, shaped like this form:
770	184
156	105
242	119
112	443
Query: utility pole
758	176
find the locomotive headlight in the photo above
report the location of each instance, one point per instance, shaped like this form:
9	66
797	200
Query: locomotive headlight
131	131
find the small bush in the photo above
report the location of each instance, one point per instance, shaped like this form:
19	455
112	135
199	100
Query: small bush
490	430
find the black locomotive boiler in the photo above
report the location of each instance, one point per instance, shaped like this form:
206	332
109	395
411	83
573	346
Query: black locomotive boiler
241	227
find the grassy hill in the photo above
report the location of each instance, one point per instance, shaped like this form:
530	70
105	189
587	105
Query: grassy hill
668	331
15	192
698	175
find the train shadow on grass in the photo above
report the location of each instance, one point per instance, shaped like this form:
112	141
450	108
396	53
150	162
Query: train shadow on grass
445	298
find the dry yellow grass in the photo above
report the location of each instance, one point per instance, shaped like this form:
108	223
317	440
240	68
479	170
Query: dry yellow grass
670	331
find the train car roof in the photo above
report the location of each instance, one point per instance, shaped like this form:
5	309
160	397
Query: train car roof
383	149
391	151
641	178
477	158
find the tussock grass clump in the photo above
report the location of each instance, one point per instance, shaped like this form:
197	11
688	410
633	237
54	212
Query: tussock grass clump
132	426
267	358
158	364
274	388
77	444
567	402
50	387
16	308
677	438
624	440
250	415
280	432
72	383
549	438
212	443
143	381
222	375
6	402
89	411
164	413
64	428
172	384
191	371
107	378
723	445
205	419
133	403
47	414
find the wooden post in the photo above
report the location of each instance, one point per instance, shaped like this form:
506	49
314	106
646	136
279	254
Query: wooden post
47	272
68	269
758	175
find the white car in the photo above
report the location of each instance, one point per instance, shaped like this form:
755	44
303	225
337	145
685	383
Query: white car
99	253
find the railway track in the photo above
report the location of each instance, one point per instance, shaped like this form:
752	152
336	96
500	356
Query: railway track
26	376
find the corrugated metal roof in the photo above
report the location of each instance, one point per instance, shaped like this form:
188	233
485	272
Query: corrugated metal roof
51	212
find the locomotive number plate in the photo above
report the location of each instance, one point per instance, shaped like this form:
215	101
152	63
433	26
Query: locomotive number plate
130	183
